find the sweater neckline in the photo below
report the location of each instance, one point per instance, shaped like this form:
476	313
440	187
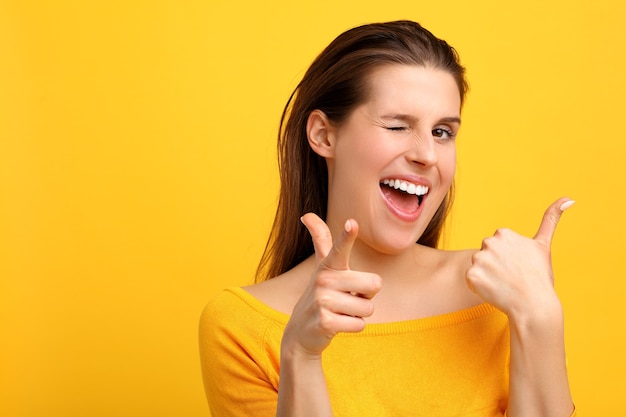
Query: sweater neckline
376	329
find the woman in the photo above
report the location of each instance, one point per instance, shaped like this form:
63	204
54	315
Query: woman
357	319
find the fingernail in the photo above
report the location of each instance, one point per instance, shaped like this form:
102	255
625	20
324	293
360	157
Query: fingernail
566	205
347	226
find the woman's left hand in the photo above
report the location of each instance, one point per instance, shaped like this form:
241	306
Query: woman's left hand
514	273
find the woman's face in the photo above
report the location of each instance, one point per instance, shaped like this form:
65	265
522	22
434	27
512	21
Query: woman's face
394	157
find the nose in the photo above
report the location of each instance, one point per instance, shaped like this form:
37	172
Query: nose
422	150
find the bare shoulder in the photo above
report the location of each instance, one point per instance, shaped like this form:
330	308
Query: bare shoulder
458	260
283	292
449	271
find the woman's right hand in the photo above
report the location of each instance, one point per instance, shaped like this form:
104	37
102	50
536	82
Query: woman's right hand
337	298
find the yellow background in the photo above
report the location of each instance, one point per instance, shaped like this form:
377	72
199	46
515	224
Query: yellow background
137	177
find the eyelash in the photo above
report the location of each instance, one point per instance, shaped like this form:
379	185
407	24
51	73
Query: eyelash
440	131
397	128
448	132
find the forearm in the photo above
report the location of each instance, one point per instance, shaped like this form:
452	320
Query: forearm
302	388
538	374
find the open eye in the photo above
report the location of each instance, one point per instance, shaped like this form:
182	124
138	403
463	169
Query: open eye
443	133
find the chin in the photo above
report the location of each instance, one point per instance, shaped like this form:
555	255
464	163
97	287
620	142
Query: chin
395	244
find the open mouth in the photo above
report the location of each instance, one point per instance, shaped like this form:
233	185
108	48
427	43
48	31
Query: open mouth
403	195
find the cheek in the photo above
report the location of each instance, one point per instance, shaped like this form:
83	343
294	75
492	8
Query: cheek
447	165
362	154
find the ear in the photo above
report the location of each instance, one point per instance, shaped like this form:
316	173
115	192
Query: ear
321	134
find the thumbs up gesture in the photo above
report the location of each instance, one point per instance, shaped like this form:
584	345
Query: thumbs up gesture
514	273
337	298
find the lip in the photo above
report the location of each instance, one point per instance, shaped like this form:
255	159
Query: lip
415	179
403	215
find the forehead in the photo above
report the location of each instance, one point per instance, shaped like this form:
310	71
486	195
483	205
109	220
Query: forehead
413	89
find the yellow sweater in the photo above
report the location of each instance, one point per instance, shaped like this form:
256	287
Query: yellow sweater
450	365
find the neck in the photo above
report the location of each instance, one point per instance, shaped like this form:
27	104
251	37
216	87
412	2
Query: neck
391	267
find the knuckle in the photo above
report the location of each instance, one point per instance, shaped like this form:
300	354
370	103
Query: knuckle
336	250
376	283
475	273
502	231
323	301
554	217
324	233
359	326
327	322
474	279
324	279
471	274
470	281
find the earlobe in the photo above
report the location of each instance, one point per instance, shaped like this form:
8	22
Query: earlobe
320	133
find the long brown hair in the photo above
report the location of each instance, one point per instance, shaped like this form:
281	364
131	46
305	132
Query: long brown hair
335	83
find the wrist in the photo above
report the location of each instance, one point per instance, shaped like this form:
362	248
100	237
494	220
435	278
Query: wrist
534	306
540	318
302	389
294	353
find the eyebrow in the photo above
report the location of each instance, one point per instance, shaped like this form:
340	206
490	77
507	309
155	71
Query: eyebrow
412	119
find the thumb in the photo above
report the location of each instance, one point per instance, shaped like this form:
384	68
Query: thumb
551	219
331	255
339	256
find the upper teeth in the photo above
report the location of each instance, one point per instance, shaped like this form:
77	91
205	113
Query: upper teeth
407	187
